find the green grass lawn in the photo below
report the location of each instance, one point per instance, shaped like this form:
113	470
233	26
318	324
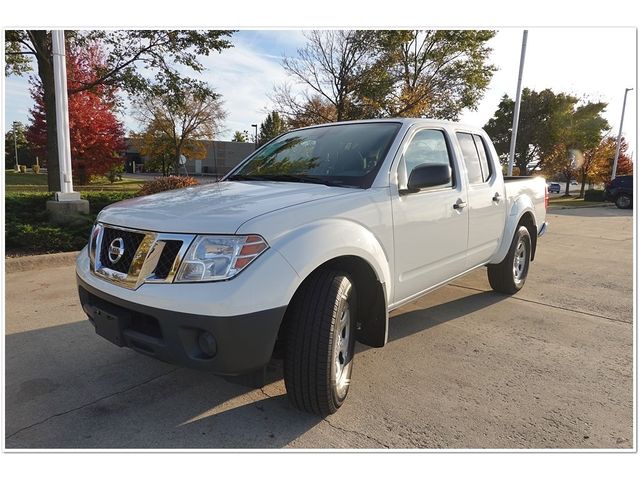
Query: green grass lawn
573	201
29	178
30	182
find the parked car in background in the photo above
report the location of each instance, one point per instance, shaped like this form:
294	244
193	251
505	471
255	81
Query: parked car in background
554	188
620	191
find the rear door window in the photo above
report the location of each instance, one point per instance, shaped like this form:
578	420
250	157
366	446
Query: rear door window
485	164
471	157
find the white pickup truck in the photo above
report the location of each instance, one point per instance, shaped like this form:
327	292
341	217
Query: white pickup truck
306	247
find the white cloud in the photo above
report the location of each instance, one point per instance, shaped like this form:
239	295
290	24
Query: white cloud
245	78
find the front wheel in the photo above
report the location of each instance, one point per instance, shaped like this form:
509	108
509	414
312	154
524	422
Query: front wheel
509	275
320	342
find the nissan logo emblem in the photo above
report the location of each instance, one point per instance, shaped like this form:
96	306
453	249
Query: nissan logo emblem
116	250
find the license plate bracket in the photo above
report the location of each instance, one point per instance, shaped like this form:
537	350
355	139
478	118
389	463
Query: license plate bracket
110	325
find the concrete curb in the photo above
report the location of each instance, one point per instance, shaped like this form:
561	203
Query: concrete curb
565	207
31	262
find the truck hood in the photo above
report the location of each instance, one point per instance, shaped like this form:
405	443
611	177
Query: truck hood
214	208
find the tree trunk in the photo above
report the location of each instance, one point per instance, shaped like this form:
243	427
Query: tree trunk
176	160
568	184
584	182
45	72
522	168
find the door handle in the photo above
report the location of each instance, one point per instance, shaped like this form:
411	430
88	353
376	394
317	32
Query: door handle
496	197
459	205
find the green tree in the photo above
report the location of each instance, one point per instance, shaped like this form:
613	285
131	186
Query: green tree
352	74
239	136
273	126
432	73
137	59
25	153
543	118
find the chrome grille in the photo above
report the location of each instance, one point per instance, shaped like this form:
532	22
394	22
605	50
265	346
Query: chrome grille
131	241
147	257
167	258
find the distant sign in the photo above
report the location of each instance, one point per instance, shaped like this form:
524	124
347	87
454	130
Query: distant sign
183	160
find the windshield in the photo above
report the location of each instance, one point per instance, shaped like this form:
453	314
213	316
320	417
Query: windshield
340	155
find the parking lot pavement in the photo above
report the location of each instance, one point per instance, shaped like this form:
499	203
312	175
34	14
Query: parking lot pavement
550	367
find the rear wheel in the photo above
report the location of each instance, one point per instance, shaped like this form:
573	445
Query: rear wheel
320	342
510	275
623	201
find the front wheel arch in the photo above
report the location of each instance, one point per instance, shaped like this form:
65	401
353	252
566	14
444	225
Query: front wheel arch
372	319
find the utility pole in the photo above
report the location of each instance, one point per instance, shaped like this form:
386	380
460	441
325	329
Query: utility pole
516	110
615	159
15	145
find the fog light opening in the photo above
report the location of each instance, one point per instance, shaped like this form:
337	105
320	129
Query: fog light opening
207	344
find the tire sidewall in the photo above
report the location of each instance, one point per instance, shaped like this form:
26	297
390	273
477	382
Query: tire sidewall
521	234
343	303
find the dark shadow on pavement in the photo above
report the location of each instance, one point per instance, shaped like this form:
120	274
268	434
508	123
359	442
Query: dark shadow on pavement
68	388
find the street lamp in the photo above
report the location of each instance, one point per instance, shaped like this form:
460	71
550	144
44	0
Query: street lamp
615	159
15	145
255	125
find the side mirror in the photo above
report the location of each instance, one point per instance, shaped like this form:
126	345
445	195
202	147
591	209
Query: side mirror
428	175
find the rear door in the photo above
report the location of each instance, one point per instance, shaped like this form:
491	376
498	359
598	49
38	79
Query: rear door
430	234
486	202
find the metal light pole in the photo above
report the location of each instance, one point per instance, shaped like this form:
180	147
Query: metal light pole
615	159
62	111
67	203
15	145
255	139
516	111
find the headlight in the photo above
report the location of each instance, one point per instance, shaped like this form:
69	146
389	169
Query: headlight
219	257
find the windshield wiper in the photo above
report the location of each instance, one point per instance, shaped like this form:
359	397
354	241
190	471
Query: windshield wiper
284	177
257	178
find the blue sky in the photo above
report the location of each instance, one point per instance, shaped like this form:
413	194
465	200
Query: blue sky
597	63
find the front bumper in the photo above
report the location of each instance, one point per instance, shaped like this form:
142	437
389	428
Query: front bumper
236	344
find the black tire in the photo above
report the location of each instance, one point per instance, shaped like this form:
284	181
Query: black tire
318	350
508	276
624	201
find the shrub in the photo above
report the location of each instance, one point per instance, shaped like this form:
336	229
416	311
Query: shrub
594	195
99	200
23	169
115	173
35	168
162	184
27	226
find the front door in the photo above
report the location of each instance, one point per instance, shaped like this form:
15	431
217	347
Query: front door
430	226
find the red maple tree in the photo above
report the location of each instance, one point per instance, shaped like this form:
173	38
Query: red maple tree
96	134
